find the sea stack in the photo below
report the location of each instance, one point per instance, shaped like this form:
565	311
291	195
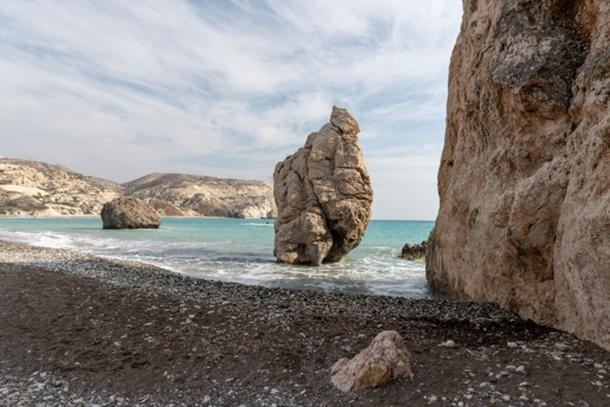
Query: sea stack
129	213
323	195
524	180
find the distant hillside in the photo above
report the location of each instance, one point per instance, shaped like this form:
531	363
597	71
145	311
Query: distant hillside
35	188
39	189
207	196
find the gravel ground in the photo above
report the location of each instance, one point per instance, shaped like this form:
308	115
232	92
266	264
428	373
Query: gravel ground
76	329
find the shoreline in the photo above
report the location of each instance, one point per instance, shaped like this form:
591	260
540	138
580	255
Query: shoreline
239	251
127	333
187	217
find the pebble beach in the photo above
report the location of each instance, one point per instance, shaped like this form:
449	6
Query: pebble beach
78	329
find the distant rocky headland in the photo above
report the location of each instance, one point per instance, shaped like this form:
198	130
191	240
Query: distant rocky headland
32	188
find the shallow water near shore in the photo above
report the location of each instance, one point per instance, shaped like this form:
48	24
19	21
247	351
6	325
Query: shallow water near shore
240	251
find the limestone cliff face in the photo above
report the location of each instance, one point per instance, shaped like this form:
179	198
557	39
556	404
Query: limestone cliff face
38	189
524	180
30	188
207	196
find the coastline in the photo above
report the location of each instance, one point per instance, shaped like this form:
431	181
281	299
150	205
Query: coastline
125	332
98	217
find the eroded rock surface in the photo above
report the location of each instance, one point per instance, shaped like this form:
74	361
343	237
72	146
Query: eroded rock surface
415	251
385	359
129	213
524	180
323	194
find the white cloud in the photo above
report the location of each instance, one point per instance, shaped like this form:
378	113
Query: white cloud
118	88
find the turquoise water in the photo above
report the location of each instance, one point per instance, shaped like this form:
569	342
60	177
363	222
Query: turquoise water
239	250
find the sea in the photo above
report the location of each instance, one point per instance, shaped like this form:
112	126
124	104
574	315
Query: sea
239	250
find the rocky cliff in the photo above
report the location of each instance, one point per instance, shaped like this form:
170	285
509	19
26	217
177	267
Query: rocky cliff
524	180
39	189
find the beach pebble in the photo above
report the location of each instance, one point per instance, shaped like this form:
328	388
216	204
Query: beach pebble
448	344
561	346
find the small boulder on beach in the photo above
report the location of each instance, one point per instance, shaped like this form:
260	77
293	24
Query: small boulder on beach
415	251
129	213
385	359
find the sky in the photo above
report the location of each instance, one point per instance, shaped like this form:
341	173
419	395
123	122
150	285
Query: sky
119	89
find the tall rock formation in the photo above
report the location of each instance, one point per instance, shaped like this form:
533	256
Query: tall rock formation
524	180
323	194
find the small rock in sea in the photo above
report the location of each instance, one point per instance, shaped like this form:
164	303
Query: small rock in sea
448	344
129	213
415	251
385	359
